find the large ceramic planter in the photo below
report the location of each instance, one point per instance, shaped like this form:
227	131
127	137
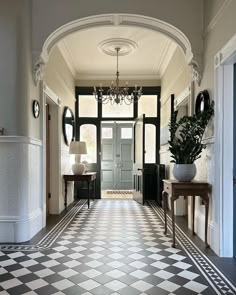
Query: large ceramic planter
184	172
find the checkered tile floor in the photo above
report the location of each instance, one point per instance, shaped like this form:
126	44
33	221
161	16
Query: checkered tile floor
116	247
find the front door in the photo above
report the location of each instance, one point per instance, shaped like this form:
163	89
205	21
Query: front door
138	166
234	165
116	156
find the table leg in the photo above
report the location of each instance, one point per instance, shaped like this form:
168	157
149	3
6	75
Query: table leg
94	188
65	200
173	218
193	215
206	221
164	198
88	195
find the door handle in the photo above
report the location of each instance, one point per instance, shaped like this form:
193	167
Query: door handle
119	165
139	169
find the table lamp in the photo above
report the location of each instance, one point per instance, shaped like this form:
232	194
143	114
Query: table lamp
78	148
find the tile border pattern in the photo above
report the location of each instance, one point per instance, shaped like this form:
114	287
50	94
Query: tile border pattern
216	279
51	236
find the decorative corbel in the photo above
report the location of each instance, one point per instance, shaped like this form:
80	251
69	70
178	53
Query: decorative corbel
39	60
195	72
38	71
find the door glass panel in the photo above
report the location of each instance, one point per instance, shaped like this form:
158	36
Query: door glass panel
88	133
147	105
87	106
118	111
138	143
150	143
126	133
107	132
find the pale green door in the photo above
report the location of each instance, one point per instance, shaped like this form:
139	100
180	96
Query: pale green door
117	156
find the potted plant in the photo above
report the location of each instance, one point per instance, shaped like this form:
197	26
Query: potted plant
185	142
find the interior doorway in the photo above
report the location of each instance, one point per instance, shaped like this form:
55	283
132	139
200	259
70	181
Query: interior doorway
51	165
117	158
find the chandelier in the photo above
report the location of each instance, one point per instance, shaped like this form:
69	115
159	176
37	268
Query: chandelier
115	93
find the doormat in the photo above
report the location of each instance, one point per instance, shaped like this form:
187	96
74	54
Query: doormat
117	194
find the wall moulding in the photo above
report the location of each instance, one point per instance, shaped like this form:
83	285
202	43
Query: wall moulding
20	139
40	60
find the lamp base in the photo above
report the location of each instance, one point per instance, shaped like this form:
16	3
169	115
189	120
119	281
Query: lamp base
78	168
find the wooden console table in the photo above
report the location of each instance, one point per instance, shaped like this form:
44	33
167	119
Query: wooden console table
174	189
88	177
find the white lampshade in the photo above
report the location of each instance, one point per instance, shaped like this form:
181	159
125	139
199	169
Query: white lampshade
78	148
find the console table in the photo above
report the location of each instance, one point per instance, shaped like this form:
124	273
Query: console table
87	177
174	189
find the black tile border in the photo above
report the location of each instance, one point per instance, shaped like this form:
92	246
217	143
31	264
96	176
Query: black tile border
216	279
50	237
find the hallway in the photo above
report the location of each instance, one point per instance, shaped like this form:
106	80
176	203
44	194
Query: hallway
115	247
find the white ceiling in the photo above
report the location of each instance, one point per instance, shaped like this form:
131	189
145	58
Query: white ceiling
87	62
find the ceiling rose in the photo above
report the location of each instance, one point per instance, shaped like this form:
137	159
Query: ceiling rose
109	46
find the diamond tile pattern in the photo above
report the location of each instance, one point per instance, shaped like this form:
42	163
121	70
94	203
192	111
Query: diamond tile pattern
115	247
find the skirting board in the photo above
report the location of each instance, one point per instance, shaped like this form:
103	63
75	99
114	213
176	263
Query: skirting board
16	230
212	231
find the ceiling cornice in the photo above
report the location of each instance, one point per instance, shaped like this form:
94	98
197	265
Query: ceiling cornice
161	55
167	53
210	26
123	78
67	57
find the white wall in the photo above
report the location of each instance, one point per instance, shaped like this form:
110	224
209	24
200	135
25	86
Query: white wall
17	90
219	27
20	151
60	80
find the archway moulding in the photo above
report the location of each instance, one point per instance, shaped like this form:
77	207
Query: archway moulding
194	60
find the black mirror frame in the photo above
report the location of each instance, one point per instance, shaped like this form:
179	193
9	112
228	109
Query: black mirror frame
202	97
64	124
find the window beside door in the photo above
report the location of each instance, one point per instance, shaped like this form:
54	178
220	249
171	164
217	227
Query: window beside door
88	133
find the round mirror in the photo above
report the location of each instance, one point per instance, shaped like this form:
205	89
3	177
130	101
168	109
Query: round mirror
68	125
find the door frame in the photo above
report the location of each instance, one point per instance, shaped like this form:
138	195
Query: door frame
223	182
116	128
147	90
47	95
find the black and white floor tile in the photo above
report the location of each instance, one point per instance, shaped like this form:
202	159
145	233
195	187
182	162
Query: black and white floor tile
117	247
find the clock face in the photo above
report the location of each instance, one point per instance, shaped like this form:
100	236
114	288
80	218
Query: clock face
36	108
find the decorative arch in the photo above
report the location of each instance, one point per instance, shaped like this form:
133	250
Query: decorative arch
119	20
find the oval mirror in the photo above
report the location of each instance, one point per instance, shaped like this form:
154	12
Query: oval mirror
68	125
202	101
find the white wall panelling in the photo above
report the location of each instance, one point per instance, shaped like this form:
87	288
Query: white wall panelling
21	210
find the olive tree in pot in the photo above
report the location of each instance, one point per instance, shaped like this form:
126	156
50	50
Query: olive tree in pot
185	142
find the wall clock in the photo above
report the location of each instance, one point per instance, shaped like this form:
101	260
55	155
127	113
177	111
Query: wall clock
36	108
202	101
